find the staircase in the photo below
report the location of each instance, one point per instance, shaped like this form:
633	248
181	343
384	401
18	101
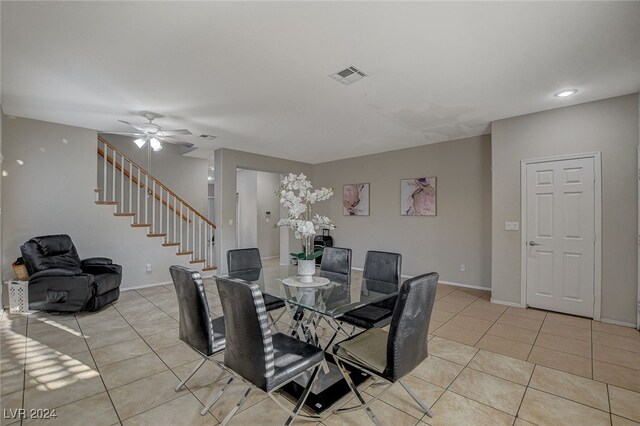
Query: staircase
135	194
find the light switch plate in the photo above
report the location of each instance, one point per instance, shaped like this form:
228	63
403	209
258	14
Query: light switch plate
512	226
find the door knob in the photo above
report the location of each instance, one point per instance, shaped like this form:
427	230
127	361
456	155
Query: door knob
533	243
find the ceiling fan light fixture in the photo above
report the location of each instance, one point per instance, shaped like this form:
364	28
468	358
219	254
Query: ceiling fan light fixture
140	142
155	144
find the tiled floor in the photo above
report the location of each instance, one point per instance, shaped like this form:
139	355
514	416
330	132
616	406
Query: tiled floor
489	364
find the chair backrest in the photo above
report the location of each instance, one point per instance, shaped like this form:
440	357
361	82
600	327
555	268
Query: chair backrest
249	347
243	259
382	266
407	344
196	329
336	260
50	252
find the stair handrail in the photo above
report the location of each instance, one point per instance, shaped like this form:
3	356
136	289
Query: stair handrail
150	176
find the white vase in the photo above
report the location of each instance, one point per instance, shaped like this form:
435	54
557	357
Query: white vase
306	269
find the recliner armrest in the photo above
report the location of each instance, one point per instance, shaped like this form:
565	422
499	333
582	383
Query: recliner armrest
96	261
96	269
56	272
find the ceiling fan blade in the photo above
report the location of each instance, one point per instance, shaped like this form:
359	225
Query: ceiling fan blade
174	141
173	132
137	135
132	125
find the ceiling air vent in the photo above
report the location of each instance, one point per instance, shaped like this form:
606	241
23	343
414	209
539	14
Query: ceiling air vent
209	137
349	75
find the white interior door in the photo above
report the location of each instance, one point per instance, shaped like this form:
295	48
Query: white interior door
560	244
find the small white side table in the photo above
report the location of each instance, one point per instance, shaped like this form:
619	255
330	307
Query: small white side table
18	296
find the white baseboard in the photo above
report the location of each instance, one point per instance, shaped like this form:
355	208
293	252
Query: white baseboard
270	257
616	322
138	287
502	302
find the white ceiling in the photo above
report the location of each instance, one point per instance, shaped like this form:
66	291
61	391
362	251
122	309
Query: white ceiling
256	74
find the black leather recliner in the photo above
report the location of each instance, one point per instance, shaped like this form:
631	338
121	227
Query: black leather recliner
59	281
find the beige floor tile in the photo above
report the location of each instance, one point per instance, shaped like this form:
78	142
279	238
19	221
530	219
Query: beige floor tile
120	351
504	346
52	370
527	312
387	415
623	377
564	344
96	410
480	312
448	307
459	334
522	322
619	330
53	397
156	326
558	329
205	376
164	339
561	361
10	401
130	370
110	337
517	334
454	409
570	386
11	377
502	366
442	290
570	320
152	291
487	305
106	325
134	318
471	323
434	325
545	409
437	371
57	341
178	355
441	316
265	412
616	356
625	403
457	299
451	351
620	342
181	411
521	422
144	394
490	390
230	397
134	306
621	421
398	398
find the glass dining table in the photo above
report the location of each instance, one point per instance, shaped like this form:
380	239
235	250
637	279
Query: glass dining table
308	307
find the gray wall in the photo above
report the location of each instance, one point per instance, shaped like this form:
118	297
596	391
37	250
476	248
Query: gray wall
609	126
53	193
247	188
268	236
459	234
227	161
186	176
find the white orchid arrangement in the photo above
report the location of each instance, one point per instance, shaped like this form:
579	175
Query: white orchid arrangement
297	195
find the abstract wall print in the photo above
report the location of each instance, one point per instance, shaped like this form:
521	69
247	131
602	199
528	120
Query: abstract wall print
418	196
355	199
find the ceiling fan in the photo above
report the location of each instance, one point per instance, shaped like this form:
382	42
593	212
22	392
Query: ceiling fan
152	133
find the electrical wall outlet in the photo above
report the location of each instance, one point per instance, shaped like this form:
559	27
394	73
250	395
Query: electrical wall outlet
463	268
148	267
512	226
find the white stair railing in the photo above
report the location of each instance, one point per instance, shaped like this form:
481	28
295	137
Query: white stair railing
136	193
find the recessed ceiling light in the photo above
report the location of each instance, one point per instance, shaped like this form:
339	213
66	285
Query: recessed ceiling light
565	93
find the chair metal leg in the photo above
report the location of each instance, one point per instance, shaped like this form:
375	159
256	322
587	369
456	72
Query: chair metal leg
303	397
237	407
217	396
195	370
354	389
273	321
422	405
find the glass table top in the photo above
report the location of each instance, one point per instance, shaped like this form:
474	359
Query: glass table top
340	296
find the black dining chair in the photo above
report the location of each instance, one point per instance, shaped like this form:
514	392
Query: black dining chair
248	259
336	260
379	266
391	356
261	359
197	329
